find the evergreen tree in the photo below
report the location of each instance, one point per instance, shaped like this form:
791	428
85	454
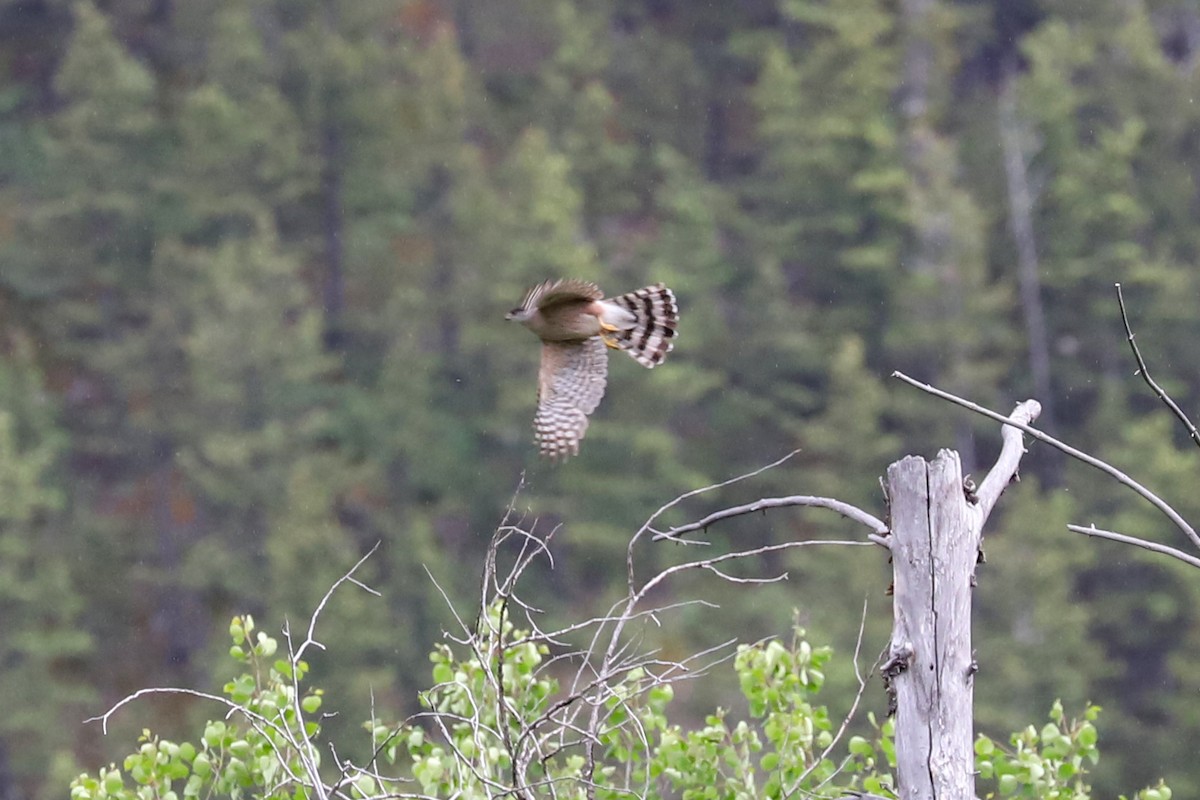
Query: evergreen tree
44	649
263	250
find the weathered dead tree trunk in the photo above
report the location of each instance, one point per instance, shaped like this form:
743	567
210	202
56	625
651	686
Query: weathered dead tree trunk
934	546
934	531
936	524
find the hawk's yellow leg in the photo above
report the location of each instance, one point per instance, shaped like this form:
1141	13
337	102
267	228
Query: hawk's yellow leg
606	328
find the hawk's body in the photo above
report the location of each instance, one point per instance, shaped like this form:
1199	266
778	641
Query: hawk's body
575	324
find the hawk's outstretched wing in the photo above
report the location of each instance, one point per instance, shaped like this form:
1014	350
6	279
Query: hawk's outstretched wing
570	385
553	292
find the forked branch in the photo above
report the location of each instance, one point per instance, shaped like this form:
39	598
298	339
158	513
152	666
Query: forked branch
878	529
1010	457
1091	461
1162	505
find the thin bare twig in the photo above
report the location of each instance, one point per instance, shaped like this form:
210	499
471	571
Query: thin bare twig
229	704
707	563
725	576
1079	455
879	530
303	742
310	639
1145	373
647	525
1092	530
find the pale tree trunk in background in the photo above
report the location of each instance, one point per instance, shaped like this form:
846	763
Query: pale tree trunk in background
932	172
332	206
333	287
179	619
1020	224
918	61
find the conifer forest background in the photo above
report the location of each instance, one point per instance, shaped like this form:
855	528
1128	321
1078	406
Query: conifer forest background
255	257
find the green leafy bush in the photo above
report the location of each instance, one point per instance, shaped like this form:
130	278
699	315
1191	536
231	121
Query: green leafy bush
1051	763
264	749
497	718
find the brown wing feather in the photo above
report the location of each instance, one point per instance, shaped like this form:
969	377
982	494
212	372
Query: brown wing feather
553	292
570	384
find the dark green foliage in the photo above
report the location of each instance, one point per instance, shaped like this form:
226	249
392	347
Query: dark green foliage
254	260
44	647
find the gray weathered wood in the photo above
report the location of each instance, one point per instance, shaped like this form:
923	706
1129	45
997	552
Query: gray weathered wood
935	531
935	540
955	542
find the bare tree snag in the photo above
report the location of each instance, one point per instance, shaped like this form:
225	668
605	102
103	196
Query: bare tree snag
935	532
934	548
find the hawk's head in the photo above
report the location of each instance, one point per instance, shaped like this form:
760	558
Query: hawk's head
521	314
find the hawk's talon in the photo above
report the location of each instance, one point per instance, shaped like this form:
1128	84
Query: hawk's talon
607	328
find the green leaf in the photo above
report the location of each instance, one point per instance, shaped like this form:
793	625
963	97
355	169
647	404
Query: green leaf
443	673
237	631
113	783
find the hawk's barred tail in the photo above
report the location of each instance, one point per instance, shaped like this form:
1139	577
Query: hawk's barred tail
653	333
